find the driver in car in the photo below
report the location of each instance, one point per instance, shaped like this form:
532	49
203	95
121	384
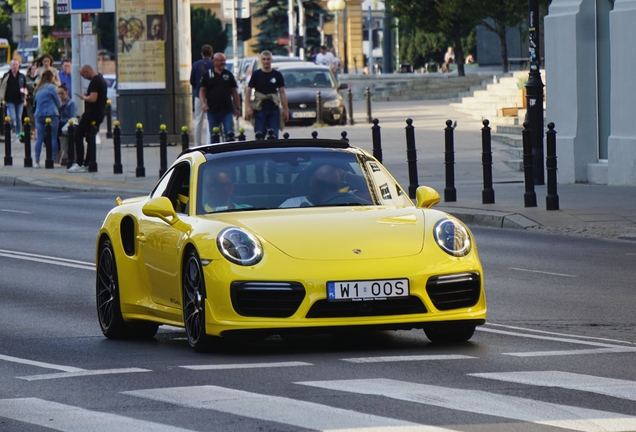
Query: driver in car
218	188
325	181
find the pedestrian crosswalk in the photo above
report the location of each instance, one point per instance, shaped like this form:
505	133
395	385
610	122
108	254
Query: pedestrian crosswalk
309	409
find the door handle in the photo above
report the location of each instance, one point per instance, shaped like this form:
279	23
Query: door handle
141	238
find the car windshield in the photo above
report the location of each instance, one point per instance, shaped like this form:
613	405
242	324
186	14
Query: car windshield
311	78
290	178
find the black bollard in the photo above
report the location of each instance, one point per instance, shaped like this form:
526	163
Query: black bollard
242	136
258	136
216	135
488	193
71	143
230	137
450	193
377	140
109	119
91	148
551	199
140	171
529	197
270	134
285	135
118	168
411	157
163	150
314	135
185	138
319	108
26	129
8	159
367	95
350	106
48	143
343	134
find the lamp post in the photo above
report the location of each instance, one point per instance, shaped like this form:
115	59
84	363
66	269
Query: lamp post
336	6
534	92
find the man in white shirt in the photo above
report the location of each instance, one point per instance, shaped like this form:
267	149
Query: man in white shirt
324	182
325	58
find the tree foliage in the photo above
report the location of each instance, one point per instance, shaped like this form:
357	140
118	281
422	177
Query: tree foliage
206	29
275	24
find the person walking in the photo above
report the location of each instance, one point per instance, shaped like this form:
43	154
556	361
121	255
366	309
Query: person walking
45	62
94	110
13	91
47	105
67	112
219	96
200	68
269	92
65	74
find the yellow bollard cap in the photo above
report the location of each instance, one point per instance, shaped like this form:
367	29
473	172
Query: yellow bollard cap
116	123
93	123
162	127
48	120
7	119
27	120
184	129
241	130
71	121
107	101
139	126
216	130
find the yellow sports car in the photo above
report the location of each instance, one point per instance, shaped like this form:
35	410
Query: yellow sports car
291	236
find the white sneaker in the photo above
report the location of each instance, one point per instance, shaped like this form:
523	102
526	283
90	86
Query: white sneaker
36	165
75	168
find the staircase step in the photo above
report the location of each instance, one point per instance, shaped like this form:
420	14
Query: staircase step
512	140
509	129
515	164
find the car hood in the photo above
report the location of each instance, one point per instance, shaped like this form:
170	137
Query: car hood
340	234
295	95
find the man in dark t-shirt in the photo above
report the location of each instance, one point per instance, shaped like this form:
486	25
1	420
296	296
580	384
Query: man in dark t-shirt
219	96
269	87
94	110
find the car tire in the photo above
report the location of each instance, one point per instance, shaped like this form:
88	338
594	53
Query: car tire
450	333
193	284
109	314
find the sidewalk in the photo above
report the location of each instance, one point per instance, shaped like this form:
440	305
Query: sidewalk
592	210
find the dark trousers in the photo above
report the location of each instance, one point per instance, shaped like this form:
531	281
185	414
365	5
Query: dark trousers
81	131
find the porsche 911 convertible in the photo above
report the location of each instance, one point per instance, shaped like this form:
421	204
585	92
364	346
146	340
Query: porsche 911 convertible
285	237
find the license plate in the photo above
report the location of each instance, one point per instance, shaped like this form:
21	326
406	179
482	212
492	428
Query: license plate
303	114
367	290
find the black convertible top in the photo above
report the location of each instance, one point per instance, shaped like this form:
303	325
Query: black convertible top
233	146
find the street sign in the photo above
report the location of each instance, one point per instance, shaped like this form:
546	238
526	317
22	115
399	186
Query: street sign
62	7
22	32
61	33
86	6
41	10
242	6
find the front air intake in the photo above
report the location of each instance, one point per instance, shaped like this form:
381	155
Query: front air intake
267	299
454	291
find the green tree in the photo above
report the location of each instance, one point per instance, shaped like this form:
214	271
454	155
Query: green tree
504	14
275	24
206	29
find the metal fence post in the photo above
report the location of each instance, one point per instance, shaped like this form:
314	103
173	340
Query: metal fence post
488	193
109	119
48	143
529	197
117	166
71	142
377	140
552	199
216	135
26	129
140	171
411	157
8	159
319	108
241	136
450	193
91	148
350	107
185	138
163	150
367	96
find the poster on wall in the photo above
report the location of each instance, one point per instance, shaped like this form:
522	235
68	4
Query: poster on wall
141	57
185	45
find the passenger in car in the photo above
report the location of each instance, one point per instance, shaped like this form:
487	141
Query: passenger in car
218	188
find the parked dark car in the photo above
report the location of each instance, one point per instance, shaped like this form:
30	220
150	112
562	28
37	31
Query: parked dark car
302	82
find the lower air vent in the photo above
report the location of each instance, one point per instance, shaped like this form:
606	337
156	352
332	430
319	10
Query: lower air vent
327	309
267	299
454	291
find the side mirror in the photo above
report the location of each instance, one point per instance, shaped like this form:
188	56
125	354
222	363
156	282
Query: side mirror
426	197
343	86
162	208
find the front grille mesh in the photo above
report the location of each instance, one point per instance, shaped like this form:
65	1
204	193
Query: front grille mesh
267	299
350	309
454	291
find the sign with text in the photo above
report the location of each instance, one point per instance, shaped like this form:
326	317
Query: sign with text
61	34
242	7
141	56
85	6
41	10
62	7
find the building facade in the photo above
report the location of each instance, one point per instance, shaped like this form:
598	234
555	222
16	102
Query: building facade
589	60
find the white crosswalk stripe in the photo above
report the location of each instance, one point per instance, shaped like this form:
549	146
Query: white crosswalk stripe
302	414
481	402
67	418
623	389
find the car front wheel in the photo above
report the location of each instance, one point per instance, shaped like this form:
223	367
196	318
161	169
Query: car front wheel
450	334
194	305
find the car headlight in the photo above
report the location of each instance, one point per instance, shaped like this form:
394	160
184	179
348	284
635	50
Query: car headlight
332	104
239	246
452	237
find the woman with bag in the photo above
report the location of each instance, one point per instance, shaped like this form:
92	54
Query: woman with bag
67	112
47	105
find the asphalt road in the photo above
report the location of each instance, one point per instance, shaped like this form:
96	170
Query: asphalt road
556	354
